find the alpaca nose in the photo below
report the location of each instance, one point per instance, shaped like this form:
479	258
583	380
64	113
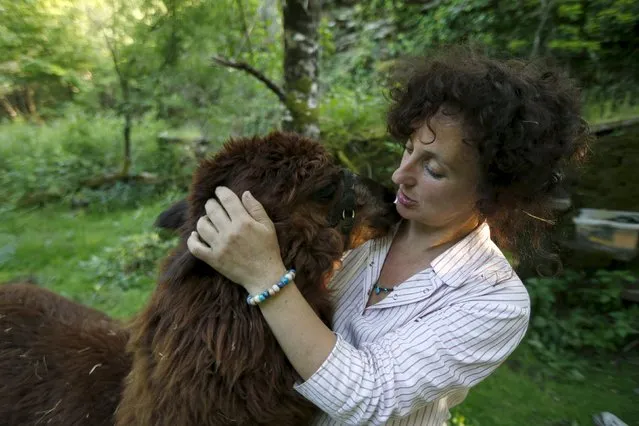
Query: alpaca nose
382	194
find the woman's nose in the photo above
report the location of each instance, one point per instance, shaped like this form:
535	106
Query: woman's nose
404	175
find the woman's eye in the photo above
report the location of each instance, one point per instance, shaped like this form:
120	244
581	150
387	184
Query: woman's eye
435	175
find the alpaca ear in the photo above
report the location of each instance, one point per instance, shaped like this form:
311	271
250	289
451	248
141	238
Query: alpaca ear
174	217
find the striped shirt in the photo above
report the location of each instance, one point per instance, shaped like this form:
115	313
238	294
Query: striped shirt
409	358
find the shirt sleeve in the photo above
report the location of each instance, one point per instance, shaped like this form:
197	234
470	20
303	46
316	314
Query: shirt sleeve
424	360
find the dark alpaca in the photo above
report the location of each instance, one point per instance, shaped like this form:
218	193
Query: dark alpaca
61	363
201	355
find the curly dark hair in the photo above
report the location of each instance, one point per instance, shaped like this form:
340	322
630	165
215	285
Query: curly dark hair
524	119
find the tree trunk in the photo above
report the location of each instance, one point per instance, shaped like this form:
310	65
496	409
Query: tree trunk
126	166
11	111
301	63
170	57
126	108
32	109
30	102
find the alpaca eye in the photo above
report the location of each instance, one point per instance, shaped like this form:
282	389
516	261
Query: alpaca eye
326	193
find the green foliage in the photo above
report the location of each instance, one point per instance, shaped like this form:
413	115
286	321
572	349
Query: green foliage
354	129
53	161
576	314
46	50
131	264
593	39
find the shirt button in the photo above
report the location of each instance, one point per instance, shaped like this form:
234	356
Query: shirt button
395	296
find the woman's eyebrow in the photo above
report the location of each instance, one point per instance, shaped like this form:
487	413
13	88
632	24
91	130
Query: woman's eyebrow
437	158
432	154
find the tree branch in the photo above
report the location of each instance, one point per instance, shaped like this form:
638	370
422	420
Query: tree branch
279	92
546	6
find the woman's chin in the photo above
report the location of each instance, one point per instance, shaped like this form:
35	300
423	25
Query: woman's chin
405	212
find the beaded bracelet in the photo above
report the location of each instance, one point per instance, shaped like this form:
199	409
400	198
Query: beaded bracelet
260	297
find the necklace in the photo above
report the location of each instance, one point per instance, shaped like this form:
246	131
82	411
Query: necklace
378	289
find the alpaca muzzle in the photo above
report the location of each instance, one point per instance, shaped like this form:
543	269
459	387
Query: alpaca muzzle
342	215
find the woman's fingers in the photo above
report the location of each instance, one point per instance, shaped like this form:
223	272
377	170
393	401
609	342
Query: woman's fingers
216	214
231	203
206	230
256	210
198	248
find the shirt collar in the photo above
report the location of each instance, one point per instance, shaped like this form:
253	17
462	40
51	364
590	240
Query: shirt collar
458	262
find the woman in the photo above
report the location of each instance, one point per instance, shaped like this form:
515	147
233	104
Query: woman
432	309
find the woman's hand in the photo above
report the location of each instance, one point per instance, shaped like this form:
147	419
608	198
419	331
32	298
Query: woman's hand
237	238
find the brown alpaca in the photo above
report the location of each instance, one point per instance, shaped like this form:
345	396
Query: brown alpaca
201	355
197	354
28	295
61	363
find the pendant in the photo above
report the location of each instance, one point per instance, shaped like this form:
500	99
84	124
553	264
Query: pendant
377	289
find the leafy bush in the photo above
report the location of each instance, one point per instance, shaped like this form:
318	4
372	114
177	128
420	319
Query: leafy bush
40	164
354	130
576	314
132	264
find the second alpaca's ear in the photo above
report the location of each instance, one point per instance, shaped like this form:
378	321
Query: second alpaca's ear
174	217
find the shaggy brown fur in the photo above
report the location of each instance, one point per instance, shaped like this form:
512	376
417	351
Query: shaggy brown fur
61	363
201	355
29	295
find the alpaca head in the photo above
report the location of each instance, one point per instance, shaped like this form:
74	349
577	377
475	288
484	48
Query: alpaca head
318	208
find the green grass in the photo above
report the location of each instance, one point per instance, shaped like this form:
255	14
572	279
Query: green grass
54	244
523	392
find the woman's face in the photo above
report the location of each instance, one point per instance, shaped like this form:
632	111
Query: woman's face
438	176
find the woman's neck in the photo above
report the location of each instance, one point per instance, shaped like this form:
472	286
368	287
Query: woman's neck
424	239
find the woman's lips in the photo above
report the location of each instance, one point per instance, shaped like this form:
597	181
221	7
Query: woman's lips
404	200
